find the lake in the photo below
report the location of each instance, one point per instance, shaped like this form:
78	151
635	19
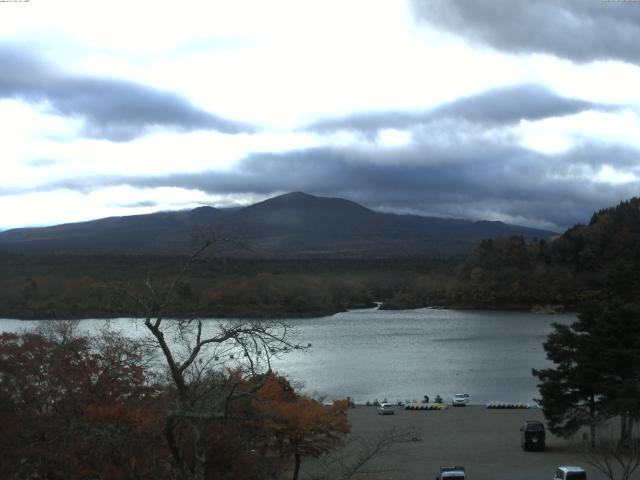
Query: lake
406	354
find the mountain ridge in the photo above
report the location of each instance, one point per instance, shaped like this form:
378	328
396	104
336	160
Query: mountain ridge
292	224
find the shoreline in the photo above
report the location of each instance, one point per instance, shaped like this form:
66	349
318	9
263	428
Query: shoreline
532	405
284	315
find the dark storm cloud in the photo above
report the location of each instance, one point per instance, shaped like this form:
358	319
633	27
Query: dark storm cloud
476	180
507	105
109	108
580	30
495	107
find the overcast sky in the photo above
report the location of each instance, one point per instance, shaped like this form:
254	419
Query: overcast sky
514	110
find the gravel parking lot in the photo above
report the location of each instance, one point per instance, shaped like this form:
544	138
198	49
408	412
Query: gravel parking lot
485	441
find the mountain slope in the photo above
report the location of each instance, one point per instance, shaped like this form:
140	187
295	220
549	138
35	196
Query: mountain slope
300	214
294	224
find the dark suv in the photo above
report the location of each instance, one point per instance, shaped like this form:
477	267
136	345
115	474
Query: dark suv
532	435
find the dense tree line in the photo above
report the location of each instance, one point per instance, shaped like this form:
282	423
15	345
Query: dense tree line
599	260
596	372
52	286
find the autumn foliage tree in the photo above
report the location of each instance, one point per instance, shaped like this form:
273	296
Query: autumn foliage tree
78	407
73	407
299	425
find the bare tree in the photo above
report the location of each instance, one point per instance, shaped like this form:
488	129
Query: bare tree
197	353
616	460
358	453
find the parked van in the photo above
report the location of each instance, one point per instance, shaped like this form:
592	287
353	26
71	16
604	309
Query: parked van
532	435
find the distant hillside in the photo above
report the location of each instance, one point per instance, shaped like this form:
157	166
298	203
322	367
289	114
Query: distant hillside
595	260
290	225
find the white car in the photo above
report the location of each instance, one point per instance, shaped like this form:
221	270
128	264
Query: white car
570	473
385	409
451	473
460	399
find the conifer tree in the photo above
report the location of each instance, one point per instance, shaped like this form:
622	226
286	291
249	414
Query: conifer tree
571	392
597	370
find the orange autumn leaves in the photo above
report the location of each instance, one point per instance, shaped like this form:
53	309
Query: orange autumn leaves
300	425
75	407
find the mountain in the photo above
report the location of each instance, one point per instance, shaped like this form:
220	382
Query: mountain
291	225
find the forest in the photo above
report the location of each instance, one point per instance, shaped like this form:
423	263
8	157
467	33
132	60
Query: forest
501	273
87	286
592	261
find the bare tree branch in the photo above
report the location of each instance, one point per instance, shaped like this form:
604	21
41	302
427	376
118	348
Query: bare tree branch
358	453
202	392
615	460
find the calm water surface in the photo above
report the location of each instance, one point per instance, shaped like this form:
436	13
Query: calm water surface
398	355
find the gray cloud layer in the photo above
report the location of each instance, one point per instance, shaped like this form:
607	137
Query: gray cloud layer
461	163
499	106
580	30
114	109
474	181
